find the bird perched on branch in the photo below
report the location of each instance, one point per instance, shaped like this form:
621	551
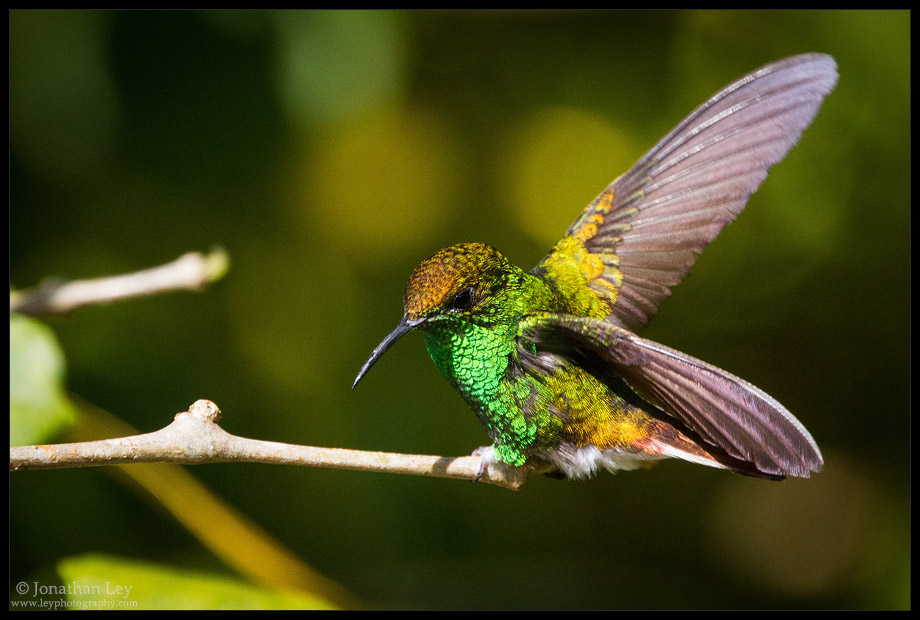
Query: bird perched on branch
549	359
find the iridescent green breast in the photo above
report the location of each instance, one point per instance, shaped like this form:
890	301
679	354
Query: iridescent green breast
514	407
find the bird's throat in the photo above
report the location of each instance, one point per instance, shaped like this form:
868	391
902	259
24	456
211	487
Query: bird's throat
472	358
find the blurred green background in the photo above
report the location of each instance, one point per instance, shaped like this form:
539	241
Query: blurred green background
329	152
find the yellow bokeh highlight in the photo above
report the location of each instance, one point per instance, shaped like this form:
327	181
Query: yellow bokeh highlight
380	183
556	162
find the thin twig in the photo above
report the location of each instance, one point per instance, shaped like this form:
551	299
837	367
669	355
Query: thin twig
189	272
194	437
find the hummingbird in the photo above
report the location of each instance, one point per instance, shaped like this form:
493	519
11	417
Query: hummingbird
549	359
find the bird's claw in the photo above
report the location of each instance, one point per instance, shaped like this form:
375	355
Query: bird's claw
486	456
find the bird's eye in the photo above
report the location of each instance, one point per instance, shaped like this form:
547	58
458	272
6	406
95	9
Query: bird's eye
462	301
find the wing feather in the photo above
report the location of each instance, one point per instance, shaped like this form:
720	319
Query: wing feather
724	411
649	224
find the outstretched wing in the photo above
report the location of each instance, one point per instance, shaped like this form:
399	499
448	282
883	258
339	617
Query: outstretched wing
723	411
642	234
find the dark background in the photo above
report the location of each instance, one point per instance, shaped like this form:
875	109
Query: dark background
329	153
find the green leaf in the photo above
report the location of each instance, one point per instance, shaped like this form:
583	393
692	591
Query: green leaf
108	582
39	406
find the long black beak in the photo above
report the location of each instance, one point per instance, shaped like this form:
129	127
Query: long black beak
403	328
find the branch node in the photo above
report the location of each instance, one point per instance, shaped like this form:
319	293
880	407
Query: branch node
203	409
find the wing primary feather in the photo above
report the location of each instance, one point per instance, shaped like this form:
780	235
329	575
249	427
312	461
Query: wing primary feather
677	198
770	426
726	412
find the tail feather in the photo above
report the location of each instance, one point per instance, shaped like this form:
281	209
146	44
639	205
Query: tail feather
668	442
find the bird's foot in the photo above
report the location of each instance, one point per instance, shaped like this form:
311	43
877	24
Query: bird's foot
486	456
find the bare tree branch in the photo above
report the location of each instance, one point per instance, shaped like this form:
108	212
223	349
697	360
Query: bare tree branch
189	272
194	438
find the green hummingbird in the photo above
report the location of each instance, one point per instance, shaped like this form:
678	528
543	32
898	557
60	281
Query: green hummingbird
549	359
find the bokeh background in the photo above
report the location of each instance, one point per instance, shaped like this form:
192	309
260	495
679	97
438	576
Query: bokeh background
328	153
